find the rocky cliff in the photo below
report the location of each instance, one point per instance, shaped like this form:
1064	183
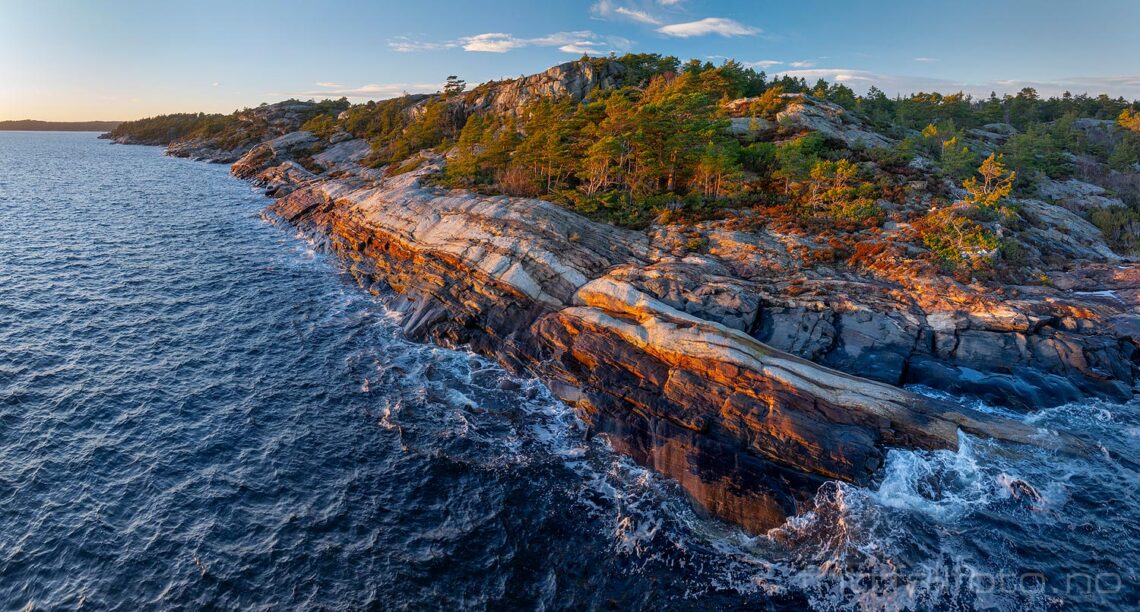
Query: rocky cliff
722	353
621	326
573	80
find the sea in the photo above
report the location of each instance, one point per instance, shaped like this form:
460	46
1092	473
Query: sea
199	409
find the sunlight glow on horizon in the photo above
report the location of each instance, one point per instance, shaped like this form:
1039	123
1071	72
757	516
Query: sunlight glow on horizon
126	59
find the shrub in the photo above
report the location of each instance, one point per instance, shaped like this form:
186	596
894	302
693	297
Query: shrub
957	240
769	104
862	211
322	126
407	166
1126	154
1012	251
697	244
1120	226
995	186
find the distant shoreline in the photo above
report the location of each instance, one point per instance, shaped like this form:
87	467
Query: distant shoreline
31	125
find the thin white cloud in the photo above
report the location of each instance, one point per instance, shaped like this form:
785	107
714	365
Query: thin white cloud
611	9
373	91
403	44
502	42
763	64
1109	82
926	60
491	42
891	84
802	64
669	2
578	49
709	25
638	16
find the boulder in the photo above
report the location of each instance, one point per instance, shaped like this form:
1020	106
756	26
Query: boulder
806	113
273	152
343	156
1076	195
1061	235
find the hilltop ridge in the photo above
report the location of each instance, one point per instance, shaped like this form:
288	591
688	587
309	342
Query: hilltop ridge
33	125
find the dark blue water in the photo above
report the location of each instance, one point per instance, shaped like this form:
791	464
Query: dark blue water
198	410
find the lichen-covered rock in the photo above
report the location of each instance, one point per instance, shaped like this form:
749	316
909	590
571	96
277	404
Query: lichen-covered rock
1076	195
831	120
343	155
992	135
1060	235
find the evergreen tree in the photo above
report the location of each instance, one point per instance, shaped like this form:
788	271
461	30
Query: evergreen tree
995	186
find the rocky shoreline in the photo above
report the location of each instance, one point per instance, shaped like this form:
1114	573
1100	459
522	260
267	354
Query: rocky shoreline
736	369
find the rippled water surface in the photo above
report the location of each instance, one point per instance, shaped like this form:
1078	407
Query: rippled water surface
196	409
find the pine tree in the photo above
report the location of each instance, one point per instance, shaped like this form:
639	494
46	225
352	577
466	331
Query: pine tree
958	160
464	164
995	186
454	86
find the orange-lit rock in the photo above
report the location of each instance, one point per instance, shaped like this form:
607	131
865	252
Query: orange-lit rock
619	328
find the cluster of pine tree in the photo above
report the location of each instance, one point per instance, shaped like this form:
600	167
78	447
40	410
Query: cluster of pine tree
625	148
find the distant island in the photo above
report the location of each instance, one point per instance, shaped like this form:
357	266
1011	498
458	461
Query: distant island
31	125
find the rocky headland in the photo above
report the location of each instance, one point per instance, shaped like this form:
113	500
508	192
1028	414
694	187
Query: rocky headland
738	355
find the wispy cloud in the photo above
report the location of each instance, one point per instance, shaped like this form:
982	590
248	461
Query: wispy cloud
861	80
374	91
926	60
491	42
709	25
802	64
501	42
763	64
636	15
616	9
403	44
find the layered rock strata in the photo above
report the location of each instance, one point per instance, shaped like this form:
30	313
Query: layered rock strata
627	332
726	354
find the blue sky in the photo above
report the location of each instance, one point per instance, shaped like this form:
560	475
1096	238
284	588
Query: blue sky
121	59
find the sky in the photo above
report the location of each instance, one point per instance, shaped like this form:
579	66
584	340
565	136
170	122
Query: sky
78	60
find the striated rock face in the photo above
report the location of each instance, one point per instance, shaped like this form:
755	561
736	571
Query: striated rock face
663	348
1058	233
271	153
1045	345
747	358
